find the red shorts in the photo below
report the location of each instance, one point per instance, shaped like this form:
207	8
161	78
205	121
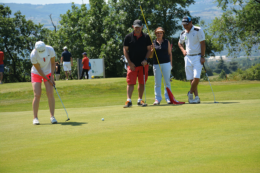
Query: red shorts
39	78
132	75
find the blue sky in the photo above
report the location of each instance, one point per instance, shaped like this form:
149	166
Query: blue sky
44	1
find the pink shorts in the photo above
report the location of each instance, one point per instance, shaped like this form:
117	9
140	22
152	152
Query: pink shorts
39	78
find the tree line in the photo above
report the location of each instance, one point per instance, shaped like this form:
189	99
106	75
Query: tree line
98	30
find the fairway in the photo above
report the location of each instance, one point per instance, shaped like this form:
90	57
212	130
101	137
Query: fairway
208	137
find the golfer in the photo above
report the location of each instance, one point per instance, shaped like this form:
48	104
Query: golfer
43	61
1	66
194	39
164	54
66	60
85	68
137	49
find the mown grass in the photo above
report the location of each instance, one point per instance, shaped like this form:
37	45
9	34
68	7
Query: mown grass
208	137
105	92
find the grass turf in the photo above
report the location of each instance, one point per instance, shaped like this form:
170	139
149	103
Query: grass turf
223	137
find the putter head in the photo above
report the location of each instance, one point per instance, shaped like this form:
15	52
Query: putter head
215	102
68	119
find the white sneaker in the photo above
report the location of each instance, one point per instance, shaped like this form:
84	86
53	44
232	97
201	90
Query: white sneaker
53	120
196	100
190	97
36	121
168	101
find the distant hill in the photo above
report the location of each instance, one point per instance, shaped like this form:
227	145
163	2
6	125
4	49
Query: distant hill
40	13
206	9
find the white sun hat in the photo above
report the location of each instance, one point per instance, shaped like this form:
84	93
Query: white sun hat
41	49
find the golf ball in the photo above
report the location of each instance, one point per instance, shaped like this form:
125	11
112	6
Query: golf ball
102	119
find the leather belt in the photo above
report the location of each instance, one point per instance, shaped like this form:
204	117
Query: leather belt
193	54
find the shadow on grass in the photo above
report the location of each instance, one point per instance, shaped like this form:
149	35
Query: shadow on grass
220	102
167	105
73	123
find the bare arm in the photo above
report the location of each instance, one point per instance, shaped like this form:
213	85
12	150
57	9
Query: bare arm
52	69
61	60
182	49
170	52
71	60
203	49
144	62
125	50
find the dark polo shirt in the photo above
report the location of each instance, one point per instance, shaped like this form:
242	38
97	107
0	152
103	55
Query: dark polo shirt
137	47
66	56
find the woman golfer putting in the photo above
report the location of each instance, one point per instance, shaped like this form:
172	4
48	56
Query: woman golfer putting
43	61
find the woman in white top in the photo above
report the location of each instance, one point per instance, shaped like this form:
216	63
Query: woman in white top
43	61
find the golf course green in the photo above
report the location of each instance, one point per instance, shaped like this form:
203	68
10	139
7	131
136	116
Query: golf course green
210	137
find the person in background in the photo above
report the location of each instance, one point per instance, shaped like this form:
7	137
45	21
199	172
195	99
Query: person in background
89	72
66	60
43	66
85	68
194	55
57	71
163	50
1	66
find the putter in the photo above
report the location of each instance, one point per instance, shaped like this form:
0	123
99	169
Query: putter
62	103
209	83
144	85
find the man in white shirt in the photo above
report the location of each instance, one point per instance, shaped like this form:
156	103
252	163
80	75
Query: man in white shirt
43	61
194	39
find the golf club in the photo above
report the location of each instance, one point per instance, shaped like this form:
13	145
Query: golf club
144	84
62	103
209	83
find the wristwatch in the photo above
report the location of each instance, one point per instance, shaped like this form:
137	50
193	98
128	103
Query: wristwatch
202	56
145	59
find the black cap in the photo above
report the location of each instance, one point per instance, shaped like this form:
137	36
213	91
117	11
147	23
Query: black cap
186	20
137	23
84	53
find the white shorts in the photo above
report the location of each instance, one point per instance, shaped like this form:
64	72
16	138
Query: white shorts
193	67
66	66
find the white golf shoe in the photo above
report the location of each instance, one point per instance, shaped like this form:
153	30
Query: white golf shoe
190	98
196	100
53	120
36	121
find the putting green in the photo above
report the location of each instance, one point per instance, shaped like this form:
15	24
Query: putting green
208	137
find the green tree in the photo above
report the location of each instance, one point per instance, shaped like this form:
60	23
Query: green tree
238	29
233	66
222	66
17	39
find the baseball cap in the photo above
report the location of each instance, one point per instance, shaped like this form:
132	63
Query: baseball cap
41	49
84	53
65	47
186	20
137	23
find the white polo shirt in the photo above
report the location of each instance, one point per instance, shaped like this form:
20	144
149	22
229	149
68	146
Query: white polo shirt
192	40
45	63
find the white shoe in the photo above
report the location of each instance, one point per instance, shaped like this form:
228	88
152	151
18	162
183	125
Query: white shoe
196	100
53	120
168	101
190	98
36	121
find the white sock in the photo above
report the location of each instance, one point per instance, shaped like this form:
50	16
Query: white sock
139	100
129	100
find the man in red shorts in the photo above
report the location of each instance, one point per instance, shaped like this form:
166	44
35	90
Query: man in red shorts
1	66
137	49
